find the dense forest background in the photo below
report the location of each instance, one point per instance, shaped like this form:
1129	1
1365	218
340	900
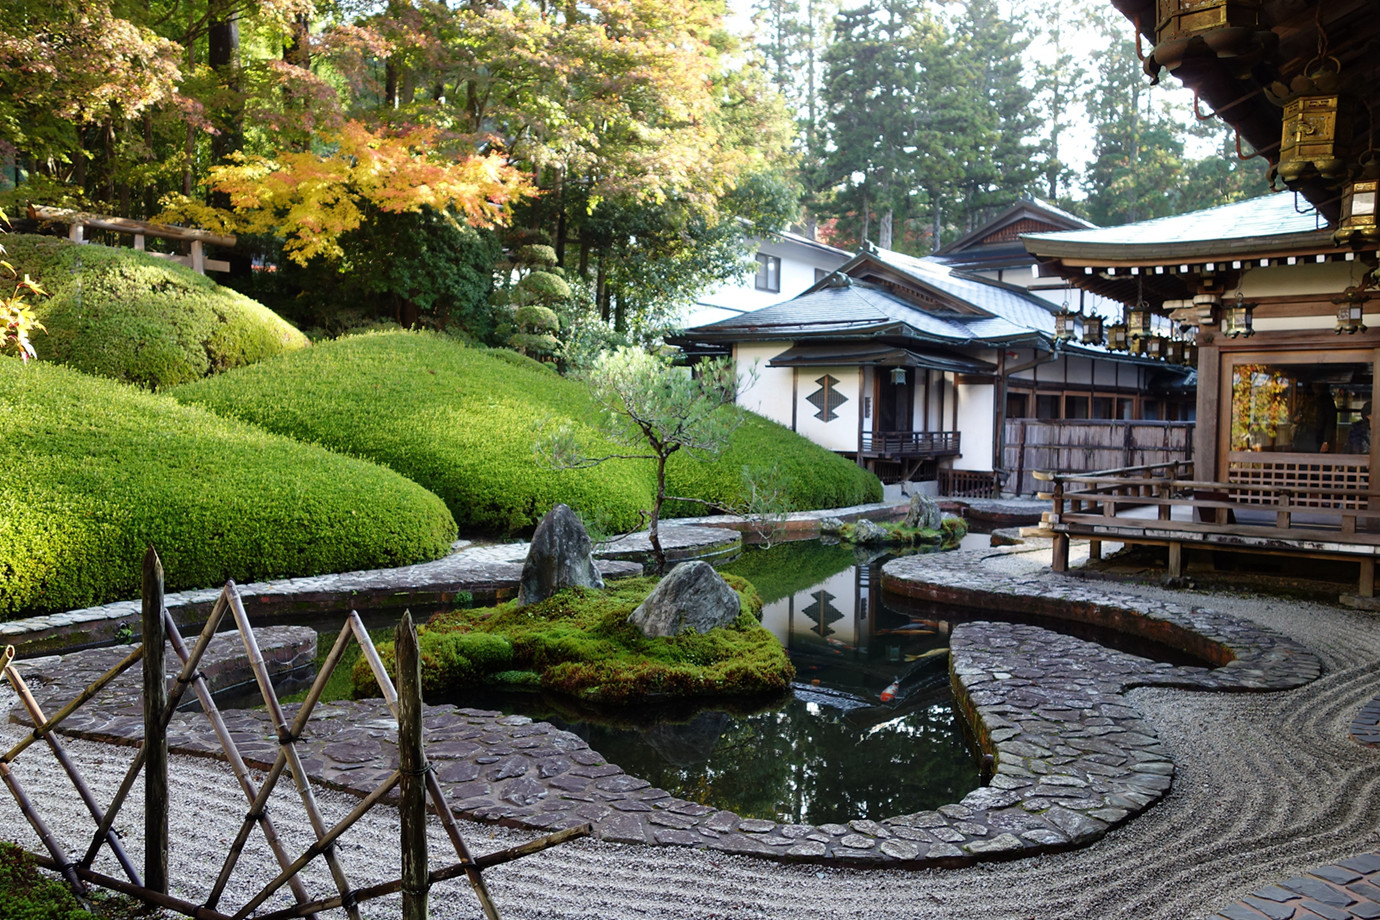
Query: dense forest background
563	175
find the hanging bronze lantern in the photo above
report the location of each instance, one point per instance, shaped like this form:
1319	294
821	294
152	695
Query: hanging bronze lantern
1317	125
1185	29
1092	329
1154	346
1065	324
1174	351
1351	310
1190	358
1138	320
1238	320
1117	339
1358	227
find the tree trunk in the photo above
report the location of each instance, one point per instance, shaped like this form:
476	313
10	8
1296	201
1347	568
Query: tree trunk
653	531
601	290
884	229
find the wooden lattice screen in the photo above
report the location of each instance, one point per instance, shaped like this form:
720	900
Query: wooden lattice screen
416	781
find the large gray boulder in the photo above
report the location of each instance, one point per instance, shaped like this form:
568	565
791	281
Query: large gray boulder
693	597
561	556
924	513
865	531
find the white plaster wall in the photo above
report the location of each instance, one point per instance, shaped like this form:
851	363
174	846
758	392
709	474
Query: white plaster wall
769	394
798	264
842	433
976	420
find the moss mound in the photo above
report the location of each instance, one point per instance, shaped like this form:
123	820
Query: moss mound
96	471
128	315
579	643
460	421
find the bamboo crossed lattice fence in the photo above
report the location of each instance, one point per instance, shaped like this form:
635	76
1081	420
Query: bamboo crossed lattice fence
416	782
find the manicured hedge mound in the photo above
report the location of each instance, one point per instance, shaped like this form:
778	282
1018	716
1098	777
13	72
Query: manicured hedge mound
125	314
580	643
461	421
811	476
95	471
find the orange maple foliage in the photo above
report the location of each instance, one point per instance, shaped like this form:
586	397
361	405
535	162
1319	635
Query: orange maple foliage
310	199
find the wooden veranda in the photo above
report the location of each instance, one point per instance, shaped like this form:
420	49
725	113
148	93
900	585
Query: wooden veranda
1161	505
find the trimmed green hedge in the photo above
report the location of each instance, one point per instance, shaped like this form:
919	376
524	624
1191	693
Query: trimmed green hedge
125	314
95	471
459	420
462	421
813	477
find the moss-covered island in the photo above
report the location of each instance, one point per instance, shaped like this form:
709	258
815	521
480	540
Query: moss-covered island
579	643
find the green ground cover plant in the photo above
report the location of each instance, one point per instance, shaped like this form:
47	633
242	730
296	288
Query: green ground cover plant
27	894
462	421
128	315
459	420
96	471
579	643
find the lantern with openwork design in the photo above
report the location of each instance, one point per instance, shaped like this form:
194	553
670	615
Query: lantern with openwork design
1092	329
1314	137
1190	358
1117	338
1351	310
1174	351
1238	320
1358	227
1216	28
1138	320
1065	324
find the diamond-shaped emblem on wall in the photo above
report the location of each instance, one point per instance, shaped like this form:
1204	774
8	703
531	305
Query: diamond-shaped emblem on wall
826	399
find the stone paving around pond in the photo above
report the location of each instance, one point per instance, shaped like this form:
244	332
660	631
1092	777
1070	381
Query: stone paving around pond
1071	759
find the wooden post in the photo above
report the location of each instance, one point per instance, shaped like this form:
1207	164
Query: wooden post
155	732
412	765
1060	562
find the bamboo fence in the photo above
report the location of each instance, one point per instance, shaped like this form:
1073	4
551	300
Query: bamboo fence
414	778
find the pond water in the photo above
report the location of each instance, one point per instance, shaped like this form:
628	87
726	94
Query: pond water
869	729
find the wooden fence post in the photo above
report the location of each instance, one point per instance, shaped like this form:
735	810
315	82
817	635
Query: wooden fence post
412	765
155	733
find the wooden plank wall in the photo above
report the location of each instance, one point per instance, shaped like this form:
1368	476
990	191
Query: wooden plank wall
1083	446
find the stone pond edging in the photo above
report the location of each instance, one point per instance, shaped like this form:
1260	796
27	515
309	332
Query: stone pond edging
1070	758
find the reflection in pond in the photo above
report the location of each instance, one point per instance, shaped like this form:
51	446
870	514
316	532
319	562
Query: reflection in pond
830	751
869	730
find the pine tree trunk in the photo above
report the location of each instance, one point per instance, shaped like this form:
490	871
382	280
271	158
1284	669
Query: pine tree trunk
884	229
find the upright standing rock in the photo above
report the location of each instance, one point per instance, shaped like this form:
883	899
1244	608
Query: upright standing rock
693	597
924	513
561	556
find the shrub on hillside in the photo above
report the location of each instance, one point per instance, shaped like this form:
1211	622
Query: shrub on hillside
461	421
128	315
97	471
811	477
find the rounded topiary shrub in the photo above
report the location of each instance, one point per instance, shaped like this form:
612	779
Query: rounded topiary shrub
129	315
96	471
460	421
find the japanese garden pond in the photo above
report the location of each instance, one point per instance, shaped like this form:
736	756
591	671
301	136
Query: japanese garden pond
869	729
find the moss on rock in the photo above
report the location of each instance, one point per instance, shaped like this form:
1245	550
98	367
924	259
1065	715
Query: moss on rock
579	643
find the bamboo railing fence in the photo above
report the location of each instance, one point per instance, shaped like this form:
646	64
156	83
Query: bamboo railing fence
414	778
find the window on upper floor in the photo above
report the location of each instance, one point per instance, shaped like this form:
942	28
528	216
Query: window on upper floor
768	273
